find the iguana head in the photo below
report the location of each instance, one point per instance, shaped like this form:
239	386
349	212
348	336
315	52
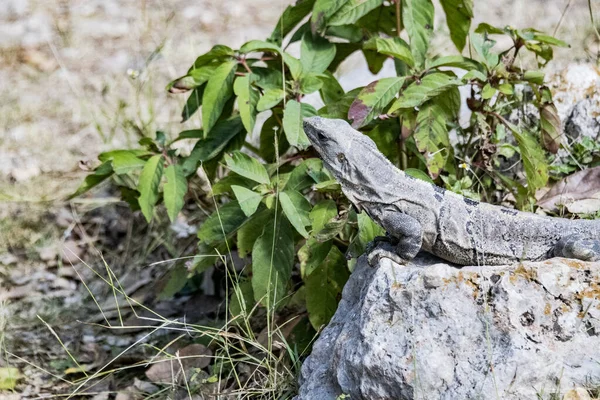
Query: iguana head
353	158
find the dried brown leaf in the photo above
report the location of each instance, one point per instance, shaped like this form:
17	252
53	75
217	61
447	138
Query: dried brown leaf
551	128
580	186
168	369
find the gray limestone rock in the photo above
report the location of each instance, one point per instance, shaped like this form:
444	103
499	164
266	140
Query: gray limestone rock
430	330
583	121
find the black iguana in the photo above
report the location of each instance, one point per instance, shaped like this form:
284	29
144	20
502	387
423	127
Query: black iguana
419	215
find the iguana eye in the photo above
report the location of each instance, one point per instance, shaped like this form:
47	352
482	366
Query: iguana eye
322	137
341	157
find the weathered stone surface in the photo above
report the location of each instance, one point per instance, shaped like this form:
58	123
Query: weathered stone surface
584	120
432	331
575	92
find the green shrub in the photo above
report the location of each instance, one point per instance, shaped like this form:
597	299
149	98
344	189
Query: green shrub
282	207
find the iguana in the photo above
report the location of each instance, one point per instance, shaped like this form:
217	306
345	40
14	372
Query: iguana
419	215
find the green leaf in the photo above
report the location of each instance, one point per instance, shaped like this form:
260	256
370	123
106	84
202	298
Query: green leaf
543	51
322	11
381	20
272	262
297	36
193	103
242	300
385	134
312	255
474	75
267	78
450	102
244	165
322	213
455	62
177	279
372	99
417	173
368	229
339	109
534	159
332	228
270	99
224	184
296	208
247	198
431	137
130	196
218	91
331	91
324	287
259	45
247	98
483	46
458	17
149	185
223	222
188	134
310	83
216	55
351	33
301	176
352	11
316	54
289	19
9	377
506	88
328	186
418	93
213	144
270	128
174	190
547	39
101	173
395	47
374	60
293	116
149	144
536	77
193	79
417	17
488	91
206	256
249	231
294	65
489	29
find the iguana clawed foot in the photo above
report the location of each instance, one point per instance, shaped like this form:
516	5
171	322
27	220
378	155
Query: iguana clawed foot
577	246
384	247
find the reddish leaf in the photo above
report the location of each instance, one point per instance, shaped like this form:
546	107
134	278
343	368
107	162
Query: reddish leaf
373	99
551	129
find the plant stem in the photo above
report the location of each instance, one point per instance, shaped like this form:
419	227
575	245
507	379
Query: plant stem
252	148
592	19
401	141
245	64
398	16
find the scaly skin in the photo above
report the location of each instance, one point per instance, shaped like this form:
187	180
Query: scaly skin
418	215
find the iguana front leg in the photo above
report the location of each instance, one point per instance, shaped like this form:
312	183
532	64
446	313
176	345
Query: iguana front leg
579	247
403	240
